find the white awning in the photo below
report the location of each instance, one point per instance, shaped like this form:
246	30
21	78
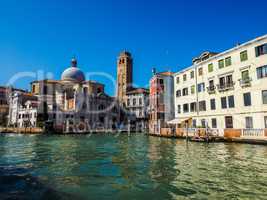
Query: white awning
175	121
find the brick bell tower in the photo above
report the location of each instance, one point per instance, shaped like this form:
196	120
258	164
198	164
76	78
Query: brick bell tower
124	75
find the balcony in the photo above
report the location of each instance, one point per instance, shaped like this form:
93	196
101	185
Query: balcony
211	89
226	86
253	134
245	82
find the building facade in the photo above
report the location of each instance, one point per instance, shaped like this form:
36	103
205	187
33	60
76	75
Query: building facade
161	108
72	104
5	93
23	109
3	105
124	76
226	90
137	104
133	100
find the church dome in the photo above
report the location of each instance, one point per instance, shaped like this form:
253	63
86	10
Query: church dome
73	73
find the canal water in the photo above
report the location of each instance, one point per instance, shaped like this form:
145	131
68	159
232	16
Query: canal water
128	167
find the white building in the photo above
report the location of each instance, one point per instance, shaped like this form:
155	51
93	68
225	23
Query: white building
137	104
225	90
23	109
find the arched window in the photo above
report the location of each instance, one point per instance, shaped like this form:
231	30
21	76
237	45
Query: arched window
101	107
85	90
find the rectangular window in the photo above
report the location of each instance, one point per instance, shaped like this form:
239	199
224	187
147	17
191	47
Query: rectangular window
245	75
134	101
247	99
192	74
213	123
45	89
178	93
202	106
184	77
243	56
231	101
249	122
33	88
229	122
194	124
193	107
179	109
177	80
261	50
140	101
193	88
203	123
264	96
210	67
265	121
262	72
185	91
224	102
185	108
201	87
228	61
222	82
211	85
212	104
200	71
221	64
229	80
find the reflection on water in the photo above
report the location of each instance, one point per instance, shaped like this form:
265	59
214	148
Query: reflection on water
135	167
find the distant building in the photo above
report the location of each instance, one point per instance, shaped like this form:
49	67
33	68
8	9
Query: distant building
161	108
128	96
226	90
5	93
124	76
137	103
23	109
73	104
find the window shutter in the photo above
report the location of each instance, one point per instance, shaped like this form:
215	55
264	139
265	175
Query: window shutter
265	49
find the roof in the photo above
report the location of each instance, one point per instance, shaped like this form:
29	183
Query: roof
222	54
93	82
167	73
138	91
6	88
125	53
47	81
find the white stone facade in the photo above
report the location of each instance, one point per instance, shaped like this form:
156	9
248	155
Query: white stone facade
137	104
235	81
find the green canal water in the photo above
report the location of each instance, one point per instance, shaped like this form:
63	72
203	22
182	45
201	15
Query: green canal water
128	167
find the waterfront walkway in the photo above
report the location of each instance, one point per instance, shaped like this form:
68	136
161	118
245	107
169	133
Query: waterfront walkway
251	136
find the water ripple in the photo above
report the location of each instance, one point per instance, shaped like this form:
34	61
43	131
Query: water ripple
135	167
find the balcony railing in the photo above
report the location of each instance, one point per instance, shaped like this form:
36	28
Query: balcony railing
226	86
211	89
245	82
253	133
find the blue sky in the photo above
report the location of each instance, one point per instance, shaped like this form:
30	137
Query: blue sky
166	34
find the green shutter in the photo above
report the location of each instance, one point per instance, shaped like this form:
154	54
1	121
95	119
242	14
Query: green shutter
228	61
221	64
210	67
243	56
192	89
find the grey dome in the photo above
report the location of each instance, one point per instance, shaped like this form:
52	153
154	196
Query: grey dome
73	73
